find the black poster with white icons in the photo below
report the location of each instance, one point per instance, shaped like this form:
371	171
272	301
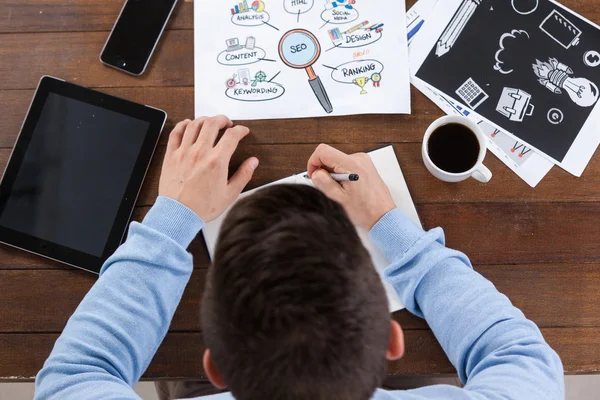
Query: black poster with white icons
529	66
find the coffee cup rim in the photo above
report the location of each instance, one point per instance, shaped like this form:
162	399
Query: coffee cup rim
456	119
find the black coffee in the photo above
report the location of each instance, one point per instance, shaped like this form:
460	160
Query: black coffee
453	148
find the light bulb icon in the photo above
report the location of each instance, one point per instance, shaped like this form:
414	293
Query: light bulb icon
582	91
556	77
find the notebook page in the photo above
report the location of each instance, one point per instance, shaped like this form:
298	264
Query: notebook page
387	164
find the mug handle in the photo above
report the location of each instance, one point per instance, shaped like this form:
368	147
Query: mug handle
482	174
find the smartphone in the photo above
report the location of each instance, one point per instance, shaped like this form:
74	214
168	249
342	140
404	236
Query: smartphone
136	34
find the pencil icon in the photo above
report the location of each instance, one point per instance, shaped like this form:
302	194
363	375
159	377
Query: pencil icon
456	26
357	27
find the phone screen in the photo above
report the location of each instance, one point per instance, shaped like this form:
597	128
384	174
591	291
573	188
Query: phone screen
136	33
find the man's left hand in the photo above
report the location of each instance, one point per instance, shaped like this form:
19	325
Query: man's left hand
196	168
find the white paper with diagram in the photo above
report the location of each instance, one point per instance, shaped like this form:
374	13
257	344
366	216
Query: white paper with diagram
262	59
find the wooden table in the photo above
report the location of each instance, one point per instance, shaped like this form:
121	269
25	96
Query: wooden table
539	246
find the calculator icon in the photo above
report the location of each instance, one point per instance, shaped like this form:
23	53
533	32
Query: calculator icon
472	94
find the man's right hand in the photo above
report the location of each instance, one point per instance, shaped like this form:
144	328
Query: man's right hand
365	201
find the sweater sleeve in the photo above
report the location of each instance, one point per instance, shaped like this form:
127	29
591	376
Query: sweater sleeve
111	338
498	353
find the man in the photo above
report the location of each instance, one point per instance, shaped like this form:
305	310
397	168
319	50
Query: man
293	308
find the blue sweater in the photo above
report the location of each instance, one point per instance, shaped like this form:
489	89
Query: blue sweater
109	341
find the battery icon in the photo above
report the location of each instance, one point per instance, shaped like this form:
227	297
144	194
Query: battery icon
559	28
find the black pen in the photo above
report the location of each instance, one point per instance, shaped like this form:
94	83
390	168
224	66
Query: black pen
342	177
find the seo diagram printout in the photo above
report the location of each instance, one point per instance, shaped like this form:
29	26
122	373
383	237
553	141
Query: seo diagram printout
300	58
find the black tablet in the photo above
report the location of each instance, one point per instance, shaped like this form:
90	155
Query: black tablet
73	178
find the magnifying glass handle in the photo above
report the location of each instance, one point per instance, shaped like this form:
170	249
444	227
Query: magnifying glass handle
319	89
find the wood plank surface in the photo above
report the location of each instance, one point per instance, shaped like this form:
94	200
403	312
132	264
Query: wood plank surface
23	355
72	16
23	311
280	161
74	56
179	103
180	355
520	232
557	302
495	233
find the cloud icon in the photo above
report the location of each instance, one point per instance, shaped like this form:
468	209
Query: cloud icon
510	49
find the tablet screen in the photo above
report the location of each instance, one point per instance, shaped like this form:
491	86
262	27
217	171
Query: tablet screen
74	174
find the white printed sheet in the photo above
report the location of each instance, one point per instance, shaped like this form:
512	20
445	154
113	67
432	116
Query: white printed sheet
258	59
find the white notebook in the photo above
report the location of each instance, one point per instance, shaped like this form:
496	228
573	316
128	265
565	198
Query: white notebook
387	164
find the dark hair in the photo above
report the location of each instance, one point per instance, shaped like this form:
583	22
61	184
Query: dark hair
293	307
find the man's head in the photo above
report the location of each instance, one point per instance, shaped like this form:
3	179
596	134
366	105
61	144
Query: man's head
293	308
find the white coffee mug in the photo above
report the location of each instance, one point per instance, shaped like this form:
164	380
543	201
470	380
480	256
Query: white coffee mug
479	171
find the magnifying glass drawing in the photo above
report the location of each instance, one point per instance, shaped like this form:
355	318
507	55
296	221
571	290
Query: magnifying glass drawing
300	49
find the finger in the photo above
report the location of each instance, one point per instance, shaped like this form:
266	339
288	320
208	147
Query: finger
177	135
242	176
230	141
327	157
192	131
325	183
211	128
